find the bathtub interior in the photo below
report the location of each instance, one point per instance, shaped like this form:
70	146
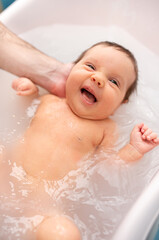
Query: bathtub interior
96	196
139	18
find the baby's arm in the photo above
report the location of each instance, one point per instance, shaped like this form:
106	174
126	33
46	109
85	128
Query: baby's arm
142	140
24	86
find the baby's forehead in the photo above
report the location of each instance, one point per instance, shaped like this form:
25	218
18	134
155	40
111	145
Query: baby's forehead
108	53
93	49
104	50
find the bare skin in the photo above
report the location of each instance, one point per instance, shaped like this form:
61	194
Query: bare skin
53	130
22	59
58	228
63	131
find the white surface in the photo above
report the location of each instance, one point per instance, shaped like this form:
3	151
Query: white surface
142	215
141	20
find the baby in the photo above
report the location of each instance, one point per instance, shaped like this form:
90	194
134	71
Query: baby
63	131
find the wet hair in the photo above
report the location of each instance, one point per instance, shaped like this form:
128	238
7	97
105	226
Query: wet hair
129	54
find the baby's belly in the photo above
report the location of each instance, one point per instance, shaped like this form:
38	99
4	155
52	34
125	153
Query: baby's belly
43	158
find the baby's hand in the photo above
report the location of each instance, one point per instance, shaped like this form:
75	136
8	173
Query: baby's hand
24	86
143	139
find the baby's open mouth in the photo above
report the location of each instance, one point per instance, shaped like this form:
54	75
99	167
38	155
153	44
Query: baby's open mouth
88	95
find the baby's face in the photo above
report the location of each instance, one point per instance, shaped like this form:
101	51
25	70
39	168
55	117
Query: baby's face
98	83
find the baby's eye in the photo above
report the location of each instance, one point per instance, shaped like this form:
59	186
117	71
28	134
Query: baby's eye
114	82
91	66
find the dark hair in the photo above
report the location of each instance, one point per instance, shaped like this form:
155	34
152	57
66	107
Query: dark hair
133	86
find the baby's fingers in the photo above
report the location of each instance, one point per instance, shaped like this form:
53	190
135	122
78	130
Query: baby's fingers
16	83
144	128
147	133
151	136
27	92
156	140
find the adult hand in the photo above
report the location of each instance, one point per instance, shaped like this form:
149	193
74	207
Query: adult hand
55	80
24	60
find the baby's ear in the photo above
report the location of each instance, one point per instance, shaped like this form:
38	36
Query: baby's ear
125	101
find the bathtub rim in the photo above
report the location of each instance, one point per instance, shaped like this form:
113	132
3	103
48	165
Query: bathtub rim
132	226
133	17
7	16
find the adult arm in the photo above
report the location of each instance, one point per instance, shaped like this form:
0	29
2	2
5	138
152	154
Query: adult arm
22	59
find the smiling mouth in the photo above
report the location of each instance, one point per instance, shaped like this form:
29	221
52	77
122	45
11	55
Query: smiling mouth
90	98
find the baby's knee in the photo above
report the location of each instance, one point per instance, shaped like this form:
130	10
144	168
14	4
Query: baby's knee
58	228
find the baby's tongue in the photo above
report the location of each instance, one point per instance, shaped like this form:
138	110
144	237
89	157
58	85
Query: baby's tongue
90	98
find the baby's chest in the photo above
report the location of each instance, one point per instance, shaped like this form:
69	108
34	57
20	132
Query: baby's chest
61	125
80	133
70	130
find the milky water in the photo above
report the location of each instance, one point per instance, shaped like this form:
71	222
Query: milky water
99	194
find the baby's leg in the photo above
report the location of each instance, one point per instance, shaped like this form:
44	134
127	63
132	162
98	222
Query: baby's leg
58	228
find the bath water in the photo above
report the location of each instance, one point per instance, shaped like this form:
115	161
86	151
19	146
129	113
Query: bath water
99	194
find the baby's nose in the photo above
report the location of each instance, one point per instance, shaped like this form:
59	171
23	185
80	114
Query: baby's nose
99	81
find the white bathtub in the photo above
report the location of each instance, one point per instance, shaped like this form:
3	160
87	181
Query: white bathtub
141	20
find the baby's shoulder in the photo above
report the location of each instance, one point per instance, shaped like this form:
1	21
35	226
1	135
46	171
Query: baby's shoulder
48	97
47	103
109	125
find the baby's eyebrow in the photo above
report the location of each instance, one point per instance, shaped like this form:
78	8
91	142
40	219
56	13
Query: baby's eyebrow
91	58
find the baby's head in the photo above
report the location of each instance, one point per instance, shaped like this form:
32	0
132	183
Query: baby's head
103	77
129	54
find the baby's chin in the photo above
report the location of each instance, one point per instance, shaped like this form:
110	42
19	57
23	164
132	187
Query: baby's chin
85	112
87	115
